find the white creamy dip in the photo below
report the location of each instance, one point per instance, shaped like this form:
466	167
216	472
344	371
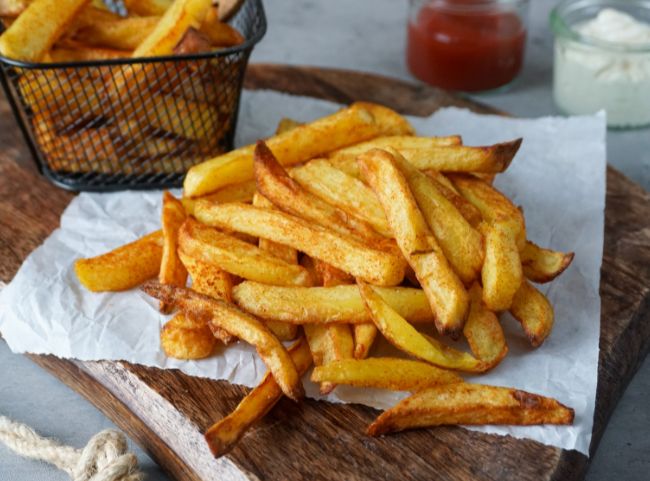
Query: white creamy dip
589	78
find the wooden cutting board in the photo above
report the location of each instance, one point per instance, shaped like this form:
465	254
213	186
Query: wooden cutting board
166	412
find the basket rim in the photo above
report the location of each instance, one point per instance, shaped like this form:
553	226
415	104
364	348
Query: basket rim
248	44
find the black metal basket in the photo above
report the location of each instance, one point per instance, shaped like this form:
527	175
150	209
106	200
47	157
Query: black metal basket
131	123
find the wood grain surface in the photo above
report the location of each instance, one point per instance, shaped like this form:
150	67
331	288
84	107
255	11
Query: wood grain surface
166	412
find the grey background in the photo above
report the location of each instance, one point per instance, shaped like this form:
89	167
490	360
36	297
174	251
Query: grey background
364	35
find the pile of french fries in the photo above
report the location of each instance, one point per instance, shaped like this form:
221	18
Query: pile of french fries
128	118
331	234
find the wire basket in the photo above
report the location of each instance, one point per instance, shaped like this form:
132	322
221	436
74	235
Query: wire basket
131	123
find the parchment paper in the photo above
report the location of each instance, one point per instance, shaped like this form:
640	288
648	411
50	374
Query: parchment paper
558	177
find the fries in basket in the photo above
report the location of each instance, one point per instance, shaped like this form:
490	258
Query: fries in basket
337	233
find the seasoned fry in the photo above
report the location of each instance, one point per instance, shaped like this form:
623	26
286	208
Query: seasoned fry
274	183
123	268
462	403
346	127
182	338
303	305
483	330
364	337
535	313
238	257
447	296
224	435
348	193
116	33
543	265
446	188
384	373
501	274
243	192
172	270
37	28
238	323
460	243
406	338
376	266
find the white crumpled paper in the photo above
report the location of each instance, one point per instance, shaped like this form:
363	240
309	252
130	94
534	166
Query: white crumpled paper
558	177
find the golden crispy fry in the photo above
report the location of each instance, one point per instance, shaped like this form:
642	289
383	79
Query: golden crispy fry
535	313
384	373
147	7
243	192
543	265
238	323
501	274
406	338
208	279
483	330
37	28
117	33
348	126
172	270
274	183
83	54
220	34
447	296
171	27
364	337
122	268
283	330
182	341
460	243
348	193
224	435
343	304
238	257
462	403
465	207
376	266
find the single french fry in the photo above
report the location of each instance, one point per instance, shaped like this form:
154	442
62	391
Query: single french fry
37	28
447	295
483	330
274	183
543	265
364	337
239	324
172	270
224	435
238	257
343	304
406	338
122	268
377	266
243	192
346	127
461	244
502	273
384	373
348	193
462	403
535	313
118	33
183	339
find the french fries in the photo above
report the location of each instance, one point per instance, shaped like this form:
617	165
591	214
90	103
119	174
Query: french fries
461	403
384	373
502	273
123	268
172	270
223	435
364	337
406	338
304	305
238	323
447	296
535	313
47	17
348	126
379	267
238	257
543	265
483	330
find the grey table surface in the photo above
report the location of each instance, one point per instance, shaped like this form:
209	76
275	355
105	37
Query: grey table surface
367	35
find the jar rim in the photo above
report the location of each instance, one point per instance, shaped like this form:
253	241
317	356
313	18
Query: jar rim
562	28
477	6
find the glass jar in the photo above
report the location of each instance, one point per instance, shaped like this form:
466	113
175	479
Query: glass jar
602	59
467	45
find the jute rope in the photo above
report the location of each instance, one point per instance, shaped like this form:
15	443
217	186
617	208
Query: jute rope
105	457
